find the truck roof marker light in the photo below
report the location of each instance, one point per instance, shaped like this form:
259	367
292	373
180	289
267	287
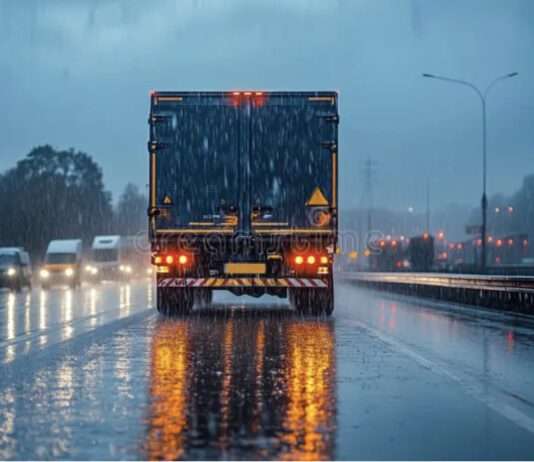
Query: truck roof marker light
158	260
236	93
299	260
247	93
310	260
182	259
259	93
169	259
324	259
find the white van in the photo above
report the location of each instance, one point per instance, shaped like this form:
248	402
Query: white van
105	258
63	262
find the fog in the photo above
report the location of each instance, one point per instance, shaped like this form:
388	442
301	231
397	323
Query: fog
78	73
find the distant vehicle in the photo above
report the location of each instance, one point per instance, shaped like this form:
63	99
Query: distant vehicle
243	196
117	258
62	266
421	252
15	268
105	258
389	255
135	257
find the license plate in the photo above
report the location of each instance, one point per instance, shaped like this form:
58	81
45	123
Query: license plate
245	268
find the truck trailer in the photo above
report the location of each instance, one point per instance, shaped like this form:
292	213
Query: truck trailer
243	196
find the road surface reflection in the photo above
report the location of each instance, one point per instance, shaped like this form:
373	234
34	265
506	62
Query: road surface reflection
253	385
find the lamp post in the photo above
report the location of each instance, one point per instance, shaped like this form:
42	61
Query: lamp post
484	202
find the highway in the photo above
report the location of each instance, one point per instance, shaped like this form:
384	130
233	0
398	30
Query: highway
96	373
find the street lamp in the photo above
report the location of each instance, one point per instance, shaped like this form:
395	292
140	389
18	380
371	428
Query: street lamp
484	202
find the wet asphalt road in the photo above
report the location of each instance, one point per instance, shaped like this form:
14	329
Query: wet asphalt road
95	373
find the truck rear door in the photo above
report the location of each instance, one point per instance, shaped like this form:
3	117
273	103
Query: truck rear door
293	139
195	141
242	160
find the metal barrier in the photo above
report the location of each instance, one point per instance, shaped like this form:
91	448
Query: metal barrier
505	292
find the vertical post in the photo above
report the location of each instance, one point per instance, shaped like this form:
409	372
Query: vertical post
484	201
427	230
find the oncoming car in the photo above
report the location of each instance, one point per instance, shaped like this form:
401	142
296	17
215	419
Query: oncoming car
15	268
62	264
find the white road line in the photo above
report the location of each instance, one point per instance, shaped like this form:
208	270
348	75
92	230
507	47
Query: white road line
494	400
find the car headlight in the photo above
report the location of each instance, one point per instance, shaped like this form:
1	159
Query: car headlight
89	268
149	271
94	271
11	272
128	269
44	274
69	272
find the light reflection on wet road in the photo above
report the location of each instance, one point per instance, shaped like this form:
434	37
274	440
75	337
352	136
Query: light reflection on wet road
95	373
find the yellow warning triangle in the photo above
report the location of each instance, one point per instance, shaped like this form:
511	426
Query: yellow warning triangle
167	200
317	198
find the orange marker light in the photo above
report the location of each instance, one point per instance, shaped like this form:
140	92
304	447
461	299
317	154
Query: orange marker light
299	260
182	259
169	259
310	260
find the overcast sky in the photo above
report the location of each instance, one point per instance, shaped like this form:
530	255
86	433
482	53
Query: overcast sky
76	73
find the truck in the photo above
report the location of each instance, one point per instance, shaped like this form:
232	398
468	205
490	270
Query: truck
243	196
421	250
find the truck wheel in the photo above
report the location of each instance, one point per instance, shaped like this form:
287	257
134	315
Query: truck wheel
299	301
175	301
313	302
208	297
323	302
203	297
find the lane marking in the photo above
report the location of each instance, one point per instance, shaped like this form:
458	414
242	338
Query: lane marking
469	384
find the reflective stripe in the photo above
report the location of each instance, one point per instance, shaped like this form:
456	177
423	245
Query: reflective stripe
306	283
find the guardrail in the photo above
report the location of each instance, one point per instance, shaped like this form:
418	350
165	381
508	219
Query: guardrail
505	292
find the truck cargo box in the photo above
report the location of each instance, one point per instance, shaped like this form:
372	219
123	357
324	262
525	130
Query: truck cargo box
248	162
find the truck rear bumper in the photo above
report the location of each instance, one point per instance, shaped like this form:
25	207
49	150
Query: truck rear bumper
228	283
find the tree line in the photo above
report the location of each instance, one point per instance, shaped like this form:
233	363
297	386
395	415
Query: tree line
60	194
